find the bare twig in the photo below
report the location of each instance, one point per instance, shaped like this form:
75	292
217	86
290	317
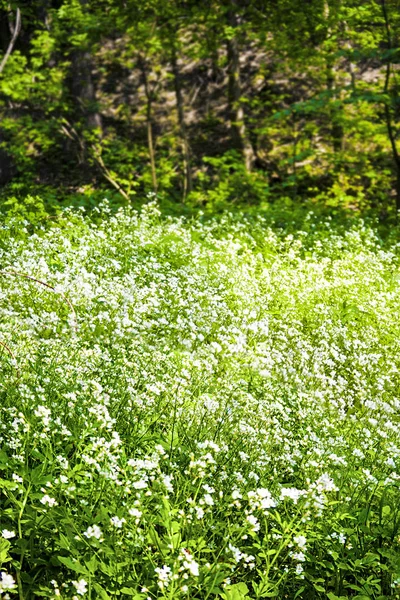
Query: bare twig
17	274
73	135
107	174
150	94
17	29
11	353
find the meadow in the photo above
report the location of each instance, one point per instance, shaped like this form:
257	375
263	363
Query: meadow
200	408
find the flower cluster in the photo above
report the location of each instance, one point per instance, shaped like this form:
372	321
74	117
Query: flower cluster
219	409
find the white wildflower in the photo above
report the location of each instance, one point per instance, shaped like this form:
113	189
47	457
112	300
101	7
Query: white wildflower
7	534
117	522
7	582
80	586
47	500
93	531
300	541
292	493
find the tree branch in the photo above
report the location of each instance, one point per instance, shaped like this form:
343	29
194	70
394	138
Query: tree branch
17	29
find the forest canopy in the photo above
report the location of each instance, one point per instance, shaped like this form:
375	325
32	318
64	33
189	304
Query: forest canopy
209	103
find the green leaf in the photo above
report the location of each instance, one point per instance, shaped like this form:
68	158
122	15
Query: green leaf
4	548
91	564
299	591
108	570
64	542
237	591
101	591
73	565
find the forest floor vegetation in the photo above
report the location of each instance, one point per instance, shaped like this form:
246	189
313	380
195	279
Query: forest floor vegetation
199	407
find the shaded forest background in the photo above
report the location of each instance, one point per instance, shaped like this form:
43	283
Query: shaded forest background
204	103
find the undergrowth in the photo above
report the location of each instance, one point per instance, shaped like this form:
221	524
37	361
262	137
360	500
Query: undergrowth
199	408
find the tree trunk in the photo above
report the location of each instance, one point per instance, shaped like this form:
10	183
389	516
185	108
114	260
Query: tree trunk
149	121
212	44
7	168
239	132
83	88
337	133
187	186
389	103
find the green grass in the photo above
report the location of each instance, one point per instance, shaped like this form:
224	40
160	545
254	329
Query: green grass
198	409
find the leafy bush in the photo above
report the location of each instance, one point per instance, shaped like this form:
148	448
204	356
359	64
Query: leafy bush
227	183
